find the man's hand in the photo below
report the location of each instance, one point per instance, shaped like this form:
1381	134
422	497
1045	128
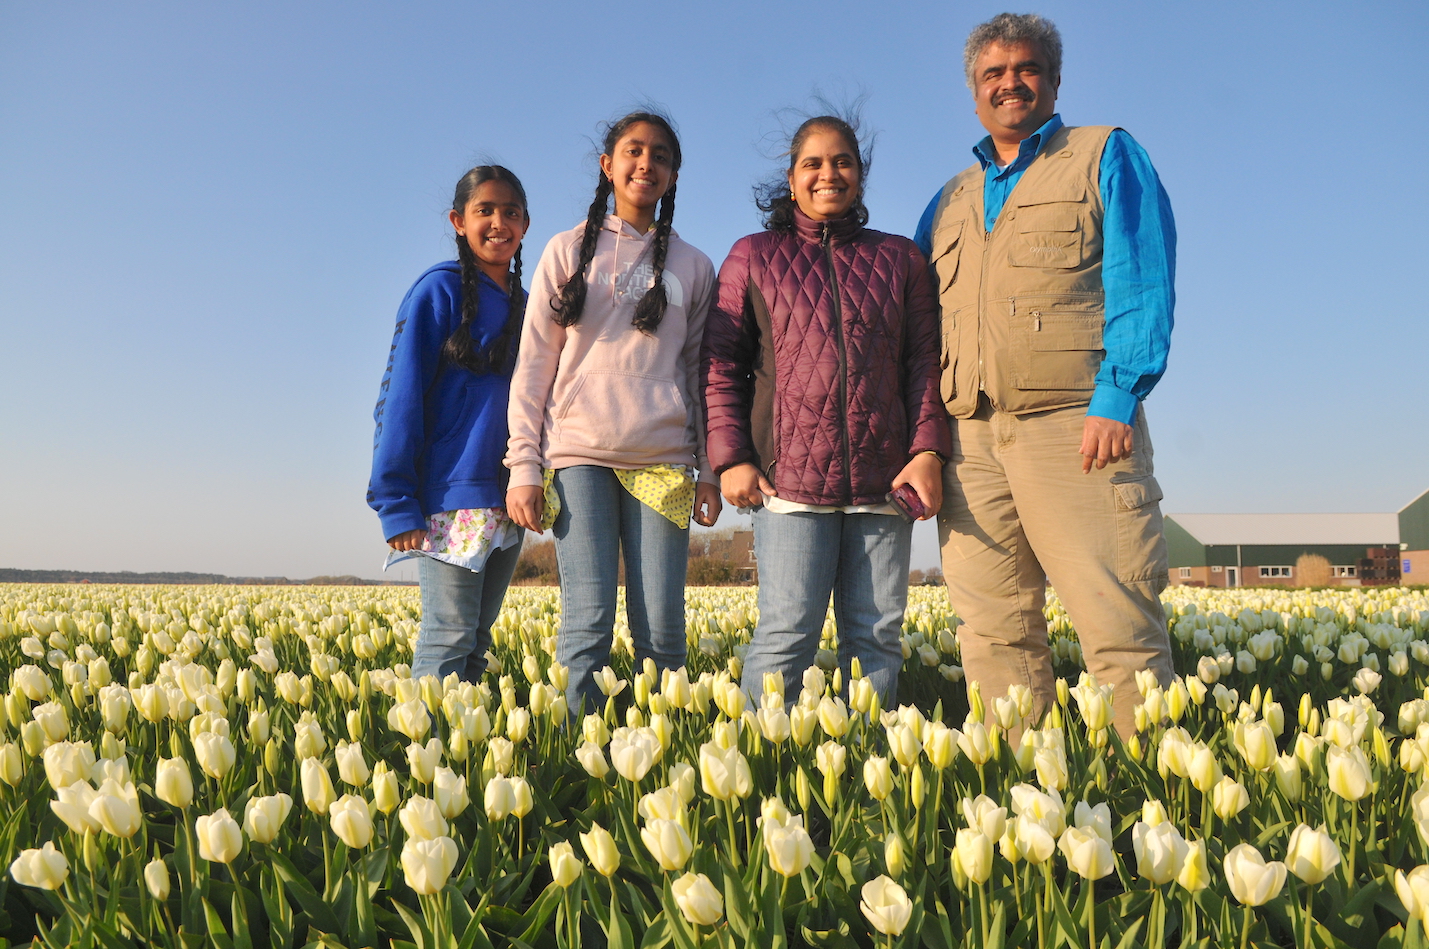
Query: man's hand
744	486
525	505
411	540
707	504
925	474
1104	440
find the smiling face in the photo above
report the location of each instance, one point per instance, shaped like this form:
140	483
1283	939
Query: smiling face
1014	89
641	168
825	176
493	224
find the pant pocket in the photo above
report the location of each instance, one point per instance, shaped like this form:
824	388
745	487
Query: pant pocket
1141	537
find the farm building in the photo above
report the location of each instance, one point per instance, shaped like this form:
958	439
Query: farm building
1229	550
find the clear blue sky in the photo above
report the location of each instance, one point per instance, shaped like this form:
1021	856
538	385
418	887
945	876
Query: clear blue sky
211	211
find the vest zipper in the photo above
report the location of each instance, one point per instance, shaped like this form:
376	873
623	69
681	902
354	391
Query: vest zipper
843	365
982	313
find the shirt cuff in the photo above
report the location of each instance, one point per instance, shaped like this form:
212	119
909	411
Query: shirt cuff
1110	402
526	475
395	523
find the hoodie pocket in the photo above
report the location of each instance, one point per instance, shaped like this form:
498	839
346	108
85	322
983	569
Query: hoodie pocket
630	413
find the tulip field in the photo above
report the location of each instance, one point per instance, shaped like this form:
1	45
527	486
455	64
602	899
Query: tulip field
255	767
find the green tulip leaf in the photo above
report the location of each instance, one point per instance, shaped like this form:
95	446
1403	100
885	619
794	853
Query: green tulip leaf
416	926
617	932
216	930
540	912
1269	833
658	934
736	906
1070	929
279	913
319	914
1128	939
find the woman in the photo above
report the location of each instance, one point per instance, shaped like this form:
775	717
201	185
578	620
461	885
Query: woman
821	392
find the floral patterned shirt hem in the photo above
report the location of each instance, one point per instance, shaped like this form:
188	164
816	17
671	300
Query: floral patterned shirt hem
464	538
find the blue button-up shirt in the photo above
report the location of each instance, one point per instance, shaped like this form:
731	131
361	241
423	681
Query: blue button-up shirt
1138	261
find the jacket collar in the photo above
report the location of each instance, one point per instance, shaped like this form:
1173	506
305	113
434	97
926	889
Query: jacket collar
840	230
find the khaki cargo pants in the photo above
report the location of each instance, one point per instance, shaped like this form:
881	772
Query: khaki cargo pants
1017	512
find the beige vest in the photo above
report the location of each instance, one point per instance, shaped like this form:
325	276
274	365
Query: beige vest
1023	305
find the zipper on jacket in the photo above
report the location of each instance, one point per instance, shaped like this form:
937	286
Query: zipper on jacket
843	364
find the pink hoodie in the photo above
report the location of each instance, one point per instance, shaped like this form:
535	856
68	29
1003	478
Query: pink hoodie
601	392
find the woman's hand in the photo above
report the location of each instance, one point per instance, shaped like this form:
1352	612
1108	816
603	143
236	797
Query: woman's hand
744	486
925	474
411	540
707	504
525	505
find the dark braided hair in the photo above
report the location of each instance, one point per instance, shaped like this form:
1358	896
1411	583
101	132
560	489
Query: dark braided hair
772	196
570	302
651	308
460	348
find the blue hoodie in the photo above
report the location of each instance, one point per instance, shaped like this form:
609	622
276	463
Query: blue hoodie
441	430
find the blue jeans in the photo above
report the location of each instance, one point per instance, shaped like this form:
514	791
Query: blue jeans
862	559
458	608
599	519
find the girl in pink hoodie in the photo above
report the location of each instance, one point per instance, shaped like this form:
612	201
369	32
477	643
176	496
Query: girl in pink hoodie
605	420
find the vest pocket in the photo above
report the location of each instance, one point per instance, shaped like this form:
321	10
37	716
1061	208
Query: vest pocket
1047	236
947	250
1062	343
947	381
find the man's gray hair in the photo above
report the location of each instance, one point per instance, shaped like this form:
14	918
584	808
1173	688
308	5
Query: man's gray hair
1008	28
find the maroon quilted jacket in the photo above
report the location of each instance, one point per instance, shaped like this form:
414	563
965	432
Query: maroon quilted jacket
820	361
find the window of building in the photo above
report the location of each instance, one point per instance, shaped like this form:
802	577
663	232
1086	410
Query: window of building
1185	573
1344	571
1275	571
1216	569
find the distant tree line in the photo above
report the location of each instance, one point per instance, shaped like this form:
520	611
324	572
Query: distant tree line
717	558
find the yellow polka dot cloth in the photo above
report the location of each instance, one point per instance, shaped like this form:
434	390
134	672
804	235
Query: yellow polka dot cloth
552	507
668	490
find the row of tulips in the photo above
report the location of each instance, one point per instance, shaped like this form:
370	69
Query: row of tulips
167	763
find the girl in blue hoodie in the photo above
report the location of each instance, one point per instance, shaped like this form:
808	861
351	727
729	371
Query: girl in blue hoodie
438	484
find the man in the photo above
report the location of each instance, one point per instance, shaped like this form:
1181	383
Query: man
1054	257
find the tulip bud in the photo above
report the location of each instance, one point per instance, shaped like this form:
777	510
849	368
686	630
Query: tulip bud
801	789
600	848
318	790
172	783
698	900
877	777
1312	855
219	837
565	866
351	821
893	856
427	864
1252	881
156	878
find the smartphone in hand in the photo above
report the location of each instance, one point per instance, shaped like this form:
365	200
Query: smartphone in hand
906	500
